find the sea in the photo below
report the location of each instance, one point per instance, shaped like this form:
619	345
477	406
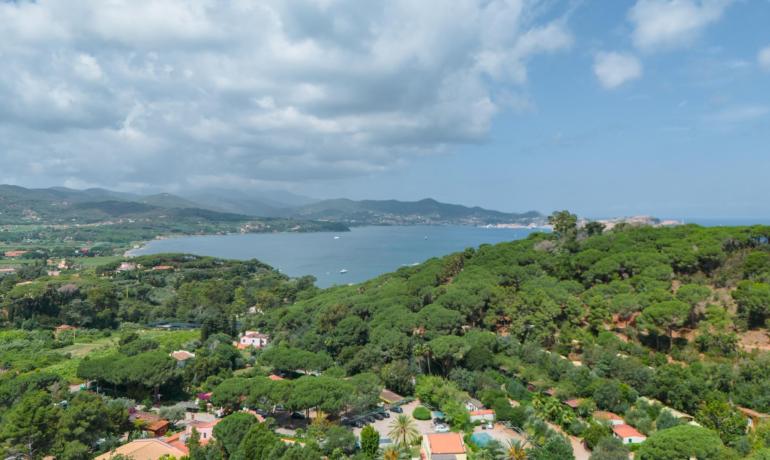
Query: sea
340	258
358	255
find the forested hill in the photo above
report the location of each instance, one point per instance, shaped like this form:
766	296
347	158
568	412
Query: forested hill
20	205
620	302
393	212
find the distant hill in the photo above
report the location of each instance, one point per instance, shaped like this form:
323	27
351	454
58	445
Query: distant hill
254	203
65	205
59	205
393	212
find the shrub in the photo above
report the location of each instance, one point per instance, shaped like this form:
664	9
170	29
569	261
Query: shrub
421	413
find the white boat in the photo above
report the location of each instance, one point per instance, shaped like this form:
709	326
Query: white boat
343	271
336	237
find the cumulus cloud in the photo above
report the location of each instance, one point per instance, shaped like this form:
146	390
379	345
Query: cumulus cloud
613	69
763	58
138	93
666	24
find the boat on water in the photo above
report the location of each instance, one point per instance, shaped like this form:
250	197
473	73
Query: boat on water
343	271
336	237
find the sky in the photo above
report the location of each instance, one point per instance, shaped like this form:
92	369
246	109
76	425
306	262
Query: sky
605	108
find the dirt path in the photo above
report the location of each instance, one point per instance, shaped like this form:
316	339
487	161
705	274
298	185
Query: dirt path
578	449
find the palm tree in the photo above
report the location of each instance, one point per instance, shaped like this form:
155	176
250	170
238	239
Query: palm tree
515	451
403	430
423	351
391	453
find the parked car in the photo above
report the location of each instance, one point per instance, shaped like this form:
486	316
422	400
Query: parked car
397	410
297	415
378	416
441	428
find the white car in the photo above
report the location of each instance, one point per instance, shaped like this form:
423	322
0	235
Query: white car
441	428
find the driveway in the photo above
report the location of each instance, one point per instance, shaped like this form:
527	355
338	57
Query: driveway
578	448
383	426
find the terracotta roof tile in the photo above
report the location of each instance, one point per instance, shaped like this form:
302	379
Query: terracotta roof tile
446	443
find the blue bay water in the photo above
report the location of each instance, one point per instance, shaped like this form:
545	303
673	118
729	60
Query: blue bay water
364	252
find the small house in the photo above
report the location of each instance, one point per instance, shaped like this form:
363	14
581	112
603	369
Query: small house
253	339
145	449
473	404
126	266
628	434
182	357
63	328
390	397
573	403
443	446
150	423
608	417
482	415
205	430
754	418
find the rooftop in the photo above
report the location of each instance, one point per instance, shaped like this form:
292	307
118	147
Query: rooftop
145	449
182	355
627	431
604	415
446	443
573	403
482	412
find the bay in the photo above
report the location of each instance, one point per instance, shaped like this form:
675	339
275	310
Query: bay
364	252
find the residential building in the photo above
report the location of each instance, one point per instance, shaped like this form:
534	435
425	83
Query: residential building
152	424
473	404
573	403
609	417
205	430
444	446
253	339
145	449
482	415
753	417
390	397
182	357
627	434
126	266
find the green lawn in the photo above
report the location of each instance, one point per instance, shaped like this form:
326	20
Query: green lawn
168	340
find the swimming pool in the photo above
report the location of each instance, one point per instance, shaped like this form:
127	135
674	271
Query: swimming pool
481	439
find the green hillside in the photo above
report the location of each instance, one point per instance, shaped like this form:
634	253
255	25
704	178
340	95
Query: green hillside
640	293
392	212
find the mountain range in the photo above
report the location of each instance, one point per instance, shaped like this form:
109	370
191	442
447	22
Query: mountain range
65	205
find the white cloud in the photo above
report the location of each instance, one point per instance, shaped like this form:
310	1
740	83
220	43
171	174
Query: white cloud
665	24
613	69
738	114
144	92
763	58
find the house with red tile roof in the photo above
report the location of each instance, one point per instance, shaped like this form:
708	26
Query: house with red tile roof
146	449
151	423
482	415
753	417
205	430
628	434
609	417
443	446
